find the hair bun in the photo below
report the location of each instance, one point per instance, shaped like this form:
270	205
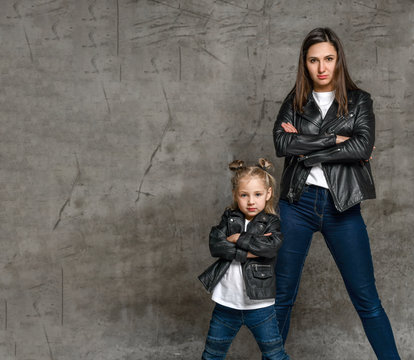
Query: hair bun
237	165
264	164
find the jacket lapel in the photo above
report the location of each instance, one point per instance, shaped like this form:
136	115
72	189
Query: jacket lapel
330	117
312	113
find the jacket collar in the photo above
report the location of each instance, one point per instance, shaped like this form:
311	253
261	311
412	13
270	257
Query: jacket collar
312	113
260	217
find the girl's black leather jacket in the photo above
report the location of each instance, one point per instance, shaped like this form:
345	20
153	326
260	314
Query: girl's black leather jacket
258	273
347	173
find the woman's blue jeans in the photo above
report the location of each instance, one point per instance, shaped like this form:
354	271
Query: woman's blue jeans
347	239
226	322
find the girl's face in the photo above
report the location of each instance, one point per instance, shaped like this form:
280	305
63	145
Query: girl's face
320	62
251	196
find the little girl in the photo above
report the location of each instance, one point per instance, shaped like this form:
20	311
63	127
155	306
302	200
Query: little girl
242	280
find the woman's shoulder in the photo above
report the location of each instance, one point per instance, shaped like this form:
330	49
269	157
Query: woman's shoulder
289	98
358	96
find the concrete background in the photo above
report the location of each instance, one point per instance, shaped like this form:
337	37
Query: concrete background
118	119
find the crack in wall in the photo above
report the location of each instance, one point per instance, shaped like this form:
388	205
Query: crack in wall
67	201
28	44
164	132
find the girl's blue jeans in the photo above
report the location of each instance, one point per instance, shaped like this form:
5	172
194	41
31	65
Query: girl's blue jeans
347	239
226	322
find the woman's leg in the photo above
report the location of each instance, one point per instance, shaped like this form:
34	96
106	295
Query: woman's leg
346	236
225	323
298	223
263	325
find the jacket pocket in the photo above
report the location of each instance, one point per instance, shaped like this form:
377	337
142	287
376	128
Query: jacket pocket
262	271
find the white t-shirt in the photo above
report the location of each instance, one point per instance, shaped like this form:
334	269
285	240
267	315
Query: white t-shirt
324	101
231	289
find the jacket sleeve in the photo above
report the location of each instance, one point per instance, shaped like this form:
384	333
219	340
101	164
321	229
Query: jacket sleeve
220	246
296	144
359	146
260	245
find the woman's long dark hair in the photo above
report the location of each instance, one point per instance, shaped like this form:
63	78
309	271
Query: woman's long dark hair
341	80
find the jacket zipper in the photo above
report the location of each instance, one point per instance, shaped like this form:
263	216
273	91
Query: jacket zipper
290	194
313	155
369	176
290	163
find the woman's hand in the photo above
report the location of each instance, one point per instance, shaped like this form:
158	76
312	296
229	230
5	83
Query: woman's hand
341	139
289	128
233	238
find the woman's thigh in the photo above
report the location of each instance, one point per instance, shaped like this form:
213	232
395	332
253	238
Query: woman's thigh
297	226
347	238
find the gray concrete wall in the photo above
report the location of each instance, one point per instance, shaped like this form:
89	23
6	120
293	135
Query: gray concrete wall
118	119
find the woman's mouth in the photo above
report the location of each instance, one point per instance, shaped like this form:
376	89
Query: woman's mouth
322	77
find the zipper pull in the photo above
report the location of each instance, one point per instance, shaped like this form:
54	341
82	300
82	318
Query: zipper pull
290	196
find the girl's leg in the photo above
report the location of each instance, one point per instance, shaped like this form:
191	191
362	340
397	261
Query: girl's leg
346	236
298	223
224	325
263	325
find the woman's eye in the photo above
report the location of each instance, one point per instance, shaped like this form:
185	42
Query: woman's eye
312	61
330	59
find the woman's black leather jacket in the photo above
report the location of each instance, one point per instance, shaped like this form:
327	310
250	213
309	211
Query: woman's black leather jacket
347	173
258	273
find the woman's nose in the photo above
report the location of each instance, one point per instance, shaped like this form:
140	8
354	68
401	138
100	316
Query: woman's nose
321	67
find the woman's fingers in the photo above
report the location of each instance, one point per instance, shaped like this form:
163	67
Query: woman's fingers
289	128
370	158
341	139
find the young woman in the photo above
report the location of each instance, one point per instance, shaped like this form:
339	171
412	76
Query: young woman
325	130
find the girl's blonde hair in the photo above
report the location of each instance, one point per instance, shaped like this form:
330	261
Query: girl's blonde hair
261	171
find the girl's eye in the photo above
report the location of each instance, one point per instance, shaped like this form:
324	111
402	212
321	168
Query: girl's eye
243	195
258	194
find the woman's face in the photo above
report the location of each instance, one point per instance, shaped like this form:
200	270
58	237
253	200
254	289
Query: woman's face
320	62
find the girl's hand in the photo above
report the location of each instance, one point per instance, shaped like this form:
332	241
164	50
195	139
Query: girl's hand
233	238
289	128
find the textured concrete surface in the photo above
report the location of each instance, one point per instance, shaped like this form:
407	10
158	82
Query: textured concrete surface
118	119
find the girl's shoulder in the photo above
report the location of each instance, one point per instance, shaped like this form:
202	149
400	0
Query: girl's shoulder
266	217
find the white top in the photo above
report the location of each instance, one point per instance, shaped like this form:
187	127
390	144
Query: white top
324	100
231	290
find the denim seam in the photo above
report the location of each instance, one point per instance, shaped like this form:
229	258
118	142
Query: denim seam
226	325
269	318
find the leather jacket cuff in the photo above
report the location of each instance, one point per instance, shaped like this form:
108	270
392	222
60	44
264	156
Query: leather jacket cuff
241	255
243	241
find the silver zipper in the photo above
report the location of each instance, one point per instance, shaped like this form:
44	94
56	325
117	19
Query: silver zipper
369	175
